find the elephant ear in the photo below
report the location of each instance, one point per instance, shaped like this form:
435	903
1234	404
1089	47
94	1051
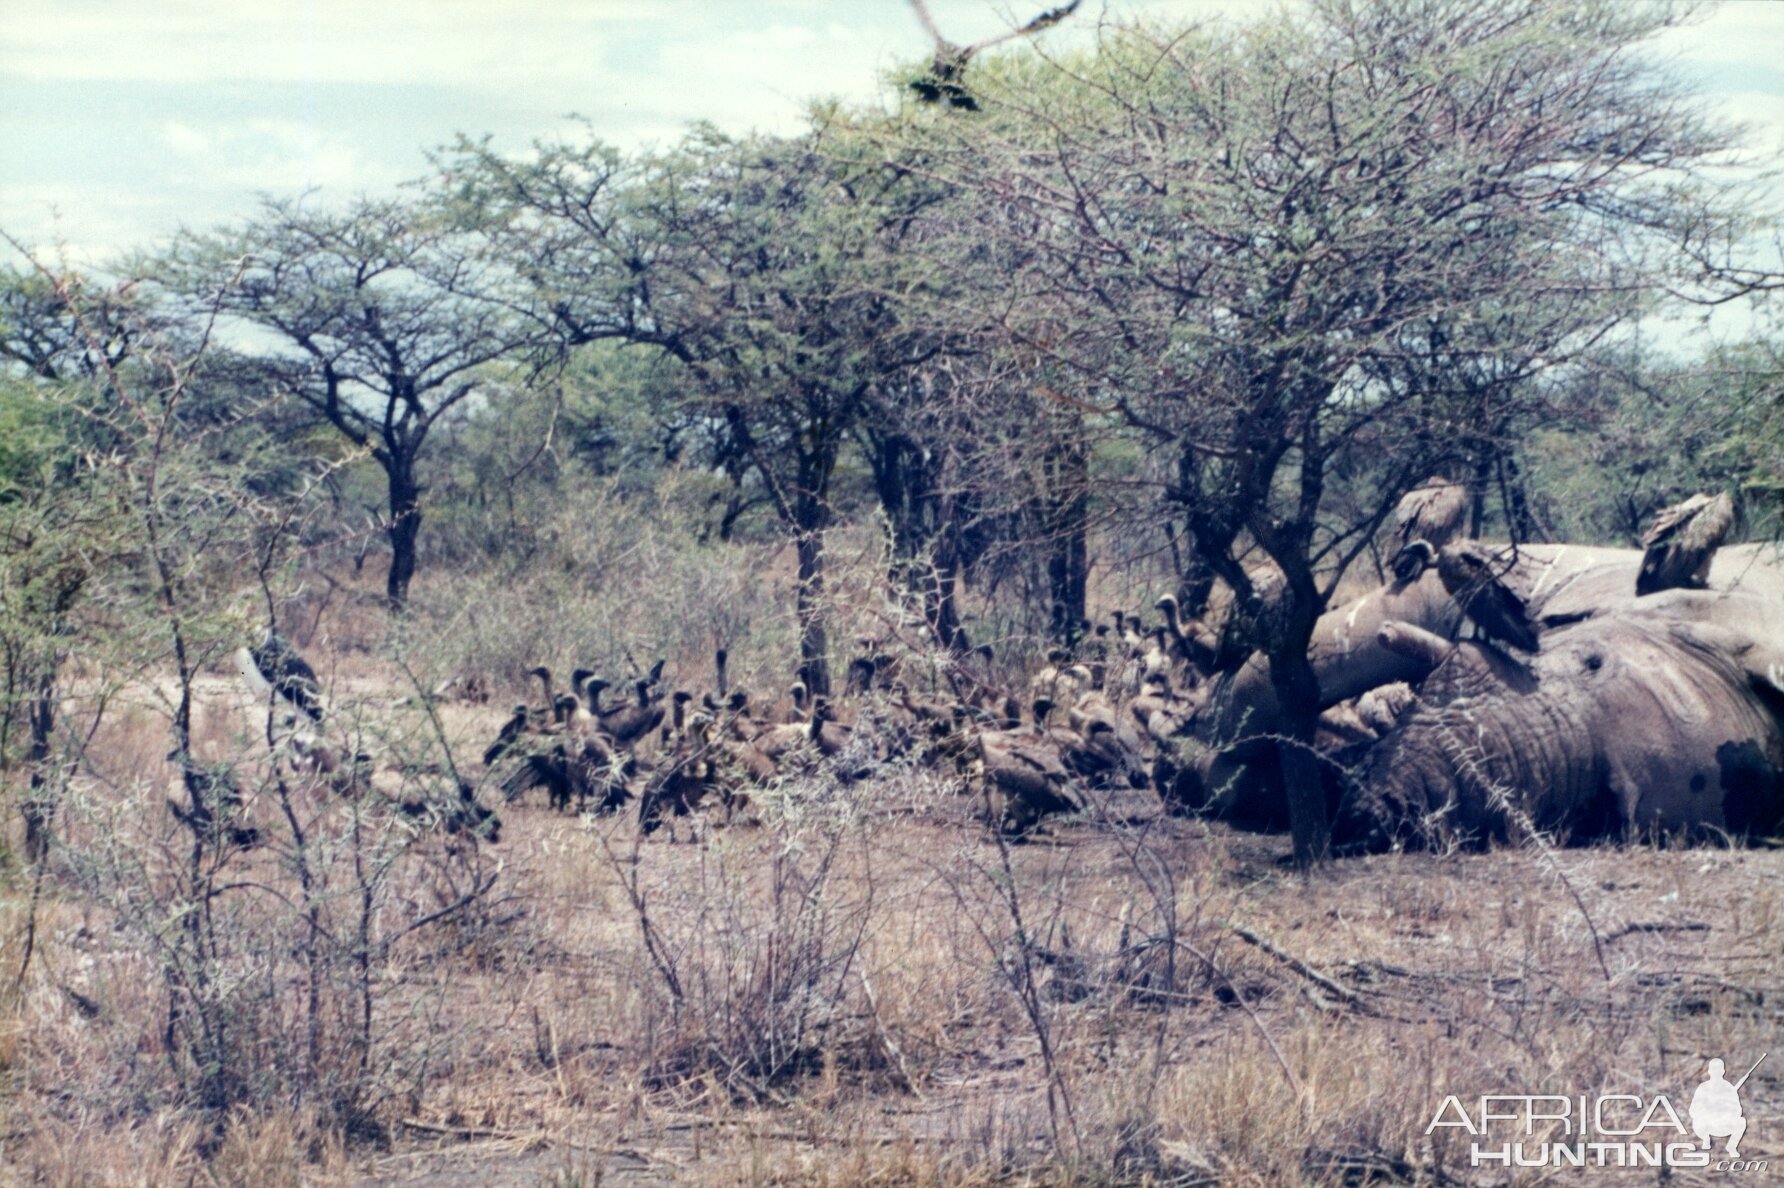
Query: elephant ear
1761	659
1764	663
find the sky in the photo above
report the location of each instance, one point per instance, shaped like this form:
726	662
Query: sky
123	120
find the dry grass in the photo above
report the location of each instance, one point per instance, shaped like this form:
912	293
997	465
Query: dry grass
868	989
1465	974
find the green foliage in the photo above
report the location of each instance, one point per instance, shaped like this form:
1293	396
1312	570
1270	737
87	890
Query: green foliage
32	444
1638	435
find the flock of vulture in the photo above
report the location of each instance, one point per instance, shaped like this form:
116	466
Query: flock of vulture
1102	715
1080	722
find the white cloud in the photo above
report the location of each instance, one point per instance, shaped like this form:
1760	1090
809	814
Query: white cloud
1731	36
1763	114
317	40
183	138
85	226
639	69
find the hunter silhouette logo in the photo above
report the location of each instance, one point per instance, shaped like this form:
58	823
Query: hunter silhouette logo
1716	1108
1609	1130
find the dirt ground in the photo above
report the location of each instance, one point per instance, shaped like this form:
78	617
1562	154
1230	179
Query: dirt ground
1380	984
860	984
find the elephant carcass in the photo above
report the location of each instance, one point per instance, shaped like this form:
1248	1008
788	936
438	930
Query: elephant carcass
1577	581
1212	769
1215	768
1662	717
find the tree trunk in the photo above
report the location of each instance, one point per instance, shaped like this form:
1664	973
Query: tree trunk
814	638
1068	546
40	808
1477	490
1195	581
941	607
1297	693
405	528
925	537
1520	523
1292	675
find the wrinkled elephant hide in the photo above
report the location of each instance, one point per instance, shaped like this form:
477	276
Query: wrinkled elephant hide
1661	719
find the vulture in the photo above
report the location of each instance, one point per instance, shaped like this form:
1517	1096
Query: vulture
1410	563
467	816
585	714
860	678
1193	643
942	84
592	688
1431	512
1026	770
683	783
274	665
1681	543
216	802
1098	652
1476	581
800	711
575	769
630	722
1249	627
549	702
827	734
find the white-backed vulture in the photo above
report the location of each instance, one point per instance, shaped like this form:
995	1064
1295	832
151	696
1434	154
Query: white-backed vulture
947	68
282	671
1431	514
1681	543
1476	582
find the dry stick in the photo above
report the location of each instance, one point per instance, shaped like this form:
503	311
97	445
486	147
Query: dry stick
1029	996
514	1136
652	943
312	952
1344	994
37	876
886	1040
1656	926
1288	1073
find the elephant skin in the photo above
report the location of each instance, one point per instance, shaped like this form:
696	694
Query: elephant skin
1214	769
1664	717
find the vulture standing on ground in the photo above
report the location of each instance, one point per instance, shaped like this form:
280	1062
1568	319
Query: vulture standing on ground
510	733
1476	581
274	666
1682	542
628	723
1431	512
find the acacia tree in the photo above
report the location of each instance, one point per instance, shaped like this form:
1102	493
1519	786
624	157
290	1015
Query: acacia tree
59	521
381	318
41	335
765	267
1256	236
